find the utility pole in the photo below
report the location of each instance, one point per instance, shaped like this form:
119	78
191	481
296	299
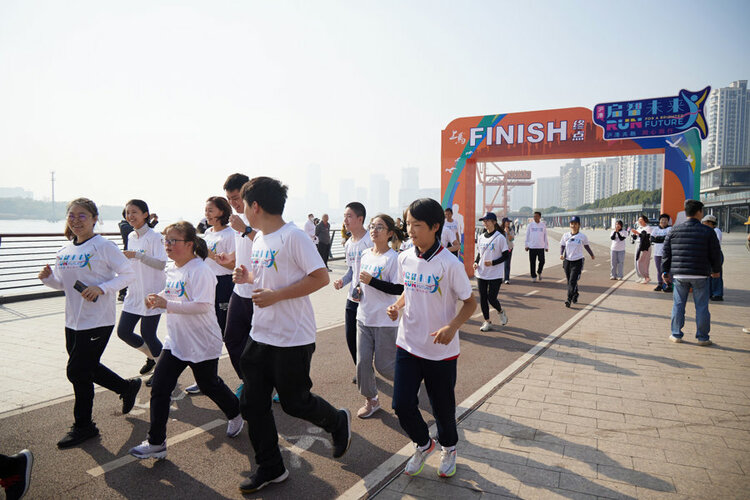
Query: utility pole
53	196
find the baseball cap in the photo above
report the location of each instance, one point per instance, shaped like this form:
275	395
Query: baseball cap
709	218
489	216
575	218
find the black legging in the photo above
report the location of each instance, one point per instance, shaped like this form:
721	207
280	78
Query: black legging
488	290
350	325
224	287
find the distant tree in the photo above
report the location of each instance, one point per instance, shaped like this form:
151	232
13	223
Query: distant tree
526	211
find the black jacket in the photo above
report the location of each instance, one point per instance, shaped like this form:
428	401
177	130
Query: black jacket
691	248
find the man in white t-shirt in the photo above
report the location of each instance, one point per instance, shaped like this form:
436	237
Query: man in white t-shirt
310	227
536	244
285	268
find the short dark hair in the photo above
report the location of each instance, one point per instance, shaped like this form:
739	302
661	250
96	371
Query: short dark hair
428	211
692	207
222	204
358	209
664	216
268	193
235	182
643	216
449	209
538	213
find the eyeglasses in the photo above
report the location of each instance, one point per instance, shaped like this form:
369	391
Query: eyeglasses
80	217
377	227
171	241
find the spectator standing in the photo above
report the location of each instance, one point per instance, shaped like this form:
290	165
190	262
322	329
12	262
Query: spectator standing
716	285
323	234
617	251
310	227
643	252
692	254
658	236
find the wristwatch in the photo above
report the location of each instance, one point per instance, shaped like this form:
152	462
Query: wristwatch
248	230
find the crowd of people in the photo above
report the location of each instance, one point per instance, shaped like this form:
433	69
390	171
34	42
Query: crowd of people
246	283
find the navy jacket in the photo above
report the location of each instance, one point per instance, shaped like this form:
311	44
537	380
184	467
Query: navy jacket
691	248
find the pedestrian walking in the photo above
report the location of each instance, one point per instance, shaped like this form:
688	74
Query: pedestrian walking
642	233
147	257
193	337
571	253
536	244
323	235
509	231
658	236
716	285
428	342
617	251
285	268
692	255
492	251
90	270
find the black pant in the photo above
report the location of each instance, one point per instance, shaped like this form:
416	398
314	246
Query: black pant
85	349
350	326
166	373
534	254
507	265
440	381
324	249
488	290
573	269
224	287
288	370
237	331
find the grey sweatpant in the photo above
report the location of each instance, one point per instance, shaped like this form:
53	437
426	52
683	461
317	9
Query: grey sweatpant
376	343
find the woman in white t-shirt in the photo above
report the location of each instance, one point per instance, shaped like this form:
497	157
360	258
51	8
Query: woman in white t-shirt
376	332
148	258
193	337
510	235
643	252
492	251
91	270
617	251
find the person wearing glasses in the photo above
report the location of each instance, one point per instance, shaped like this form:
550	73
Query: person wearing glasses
90	269
193	337
376	332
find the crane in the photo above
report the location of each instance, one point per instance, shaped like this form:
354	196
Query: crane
490	175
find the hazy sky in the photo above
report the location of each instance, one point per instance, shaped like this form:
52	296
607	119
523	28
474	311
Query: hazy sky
161	100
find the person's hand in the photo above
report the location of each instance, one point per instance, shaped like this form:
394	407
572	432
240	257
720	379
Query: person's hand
154	301
715	275
91	292
475	266
546	249
667	278
365	277
444	335
487	263
337	284
130	254
241	275
527	249
392	311
263	297
236	222
593	257
223	259
45	273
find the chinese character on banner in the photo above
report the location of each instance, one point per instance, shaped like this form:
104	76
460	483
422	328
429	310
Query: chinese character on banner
634	108
578	130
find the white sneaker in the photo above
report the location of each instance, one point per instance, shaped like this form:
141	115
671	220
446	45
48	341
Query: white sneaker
234	427
148	450
533	279
193	389
447	462
486	327
503	318
371	406
416	463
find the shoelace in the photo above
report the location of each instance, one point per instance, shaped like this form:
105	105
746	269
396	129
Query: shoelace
8	481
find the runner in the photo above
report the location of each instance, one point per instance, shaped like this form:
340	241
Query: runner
449	237
571	253
354	219
285	269
220	241
428	344
193	337
492	250
91	270
148	258
536	244
510	234
658	236
617	251
376	332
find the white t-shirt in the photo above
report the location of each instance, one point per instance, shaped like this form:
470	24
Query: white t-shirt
718	233
95	262
280	259
536	235
147	279
618	245
219	242
373	302
243	252
491	248
310	230
449	234
574	245
353	252
406	245
431	292
192	337
659	247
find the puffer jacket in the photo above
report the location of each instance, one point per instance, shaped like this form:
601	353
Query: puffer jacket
691	248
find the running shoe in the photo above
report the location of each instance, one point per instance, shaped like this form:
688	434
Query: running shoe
486	327
567	303
658	288
676	340
234	427
150	381
128	397
503	318
447	462
148	450
704	343
150	363
77	435
533	279
539	277
371	406
260	480
507	282
416	463
17	475
342	436
193	389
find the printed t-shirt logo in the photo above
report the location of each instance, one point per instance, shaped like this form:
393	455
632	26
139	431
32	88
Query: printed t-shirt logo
213	247
74	261
176	288
265	258
375	271
425	283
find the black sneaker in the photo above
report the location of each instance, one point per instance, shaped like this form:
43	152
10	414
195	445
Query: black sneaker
669	289
567	303
575	299
150	381
342	436
16	477
150	363
259	480
128	397
658	288
77	435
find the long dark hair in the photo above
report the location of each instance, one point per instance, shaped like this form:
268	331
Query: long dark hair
391	225
85	204
143	207
189	233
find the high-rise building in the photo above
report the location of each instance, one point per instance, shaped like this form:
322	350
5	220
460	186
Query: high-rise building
642	172
601	179
380	191
547	192
727	153
571	184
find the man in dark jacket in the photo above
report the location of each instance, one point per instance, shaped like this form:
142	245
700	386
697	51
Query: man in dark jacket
691	255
